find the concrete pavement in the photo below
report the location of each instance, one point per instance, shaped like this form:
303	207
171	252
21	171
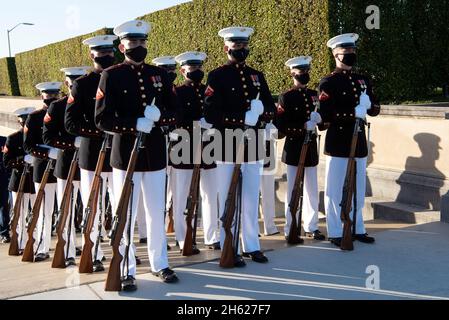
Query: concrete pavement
405	263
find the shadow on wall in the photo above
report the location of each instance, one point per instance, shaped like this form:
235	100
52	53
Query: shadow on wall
415	188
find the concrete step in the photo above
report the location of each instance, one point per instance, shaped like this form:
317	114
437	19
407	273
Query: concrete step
401	212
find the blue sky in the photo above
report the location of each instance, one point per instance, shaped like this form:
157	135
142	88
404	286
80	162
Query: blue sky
58	20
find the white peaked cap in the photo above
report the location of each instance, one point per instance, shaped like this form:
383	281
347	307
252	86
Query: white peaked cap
346	40
49	86
299	62
191	58
236	33
133	29
164	61
23	111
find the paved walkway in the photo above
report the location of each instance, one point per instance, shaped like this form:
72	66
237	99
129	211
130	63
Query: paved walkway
405	263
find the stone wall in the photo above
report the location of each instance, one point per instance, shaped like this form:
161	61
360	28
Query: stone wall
408	163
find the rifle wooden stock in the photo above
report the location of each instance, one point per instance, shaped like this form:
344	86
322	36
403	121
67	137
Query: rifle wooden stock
348	192
28	253
86	262
228	253
171	221
14	245
64	211
192	204
113	281
294	235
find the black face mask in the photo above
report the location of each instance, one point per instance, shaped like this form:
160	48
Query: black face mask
172	76
196	76
303	78
105	62
137	54
49	101
239	55
349	59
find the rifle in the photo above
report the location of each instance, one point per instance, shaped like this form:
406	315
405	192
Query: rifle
86	263
192	204
14	245
171	221
294	235
229	251
28	253
113	281
348	192
59	256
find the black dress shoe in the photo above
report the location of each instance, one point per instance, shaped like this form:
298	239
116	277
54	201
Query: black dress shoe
364	238
129	284
336	241
101	239
70	262
168	247
256	256
5	239
20	252
78	252
138	261
143	240
167	275
41	257
215	246
103	259
98	266
316	235
239	262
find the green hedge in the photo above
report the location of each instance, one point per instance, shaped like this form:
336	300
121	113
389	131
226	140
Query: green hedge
43	64
8	77
283	29
407	57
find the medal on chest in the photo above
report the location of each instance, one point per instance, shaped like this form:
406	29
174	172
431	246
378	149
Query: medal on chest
157	82
256	81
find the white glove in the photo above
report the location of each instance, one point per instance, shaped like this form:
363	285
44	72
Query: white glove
365	100
204	124
173	136
310	125
144	125
270	131
28	159
316	117
77	142
251	118
360	112
257	107
152	113
53	153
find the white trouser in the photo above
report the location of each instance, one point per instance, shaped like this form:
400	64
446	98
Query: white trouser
208	191
251	175
335	178
141	221
71	252
87	178
310	199
267	192
151	186
44	225
24	209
